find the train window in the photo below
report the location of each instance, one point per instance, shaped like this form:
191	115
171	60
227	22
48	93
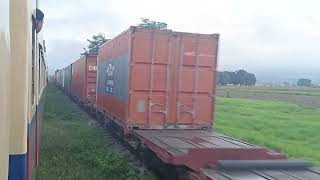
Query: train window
33	60
37	23
40	66
33	78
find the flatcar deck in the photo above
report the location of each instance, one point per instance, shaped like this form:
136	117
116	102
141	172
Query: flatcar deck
262	174
196	149
262	170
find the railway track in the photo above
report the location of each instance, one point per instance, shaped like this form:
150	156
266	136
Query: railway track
151	163
145	163
121	147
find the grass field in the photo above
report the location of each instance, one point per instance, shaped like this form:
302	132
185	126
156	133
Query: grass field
298	95
72	149
275	90
287	127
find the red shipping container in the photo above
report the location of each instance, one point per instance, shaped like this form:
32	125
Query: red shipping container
84	74
151	79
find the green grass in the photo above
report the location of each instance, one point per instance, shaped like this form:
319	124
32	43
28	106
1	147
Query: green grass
73	149
273	90
286	127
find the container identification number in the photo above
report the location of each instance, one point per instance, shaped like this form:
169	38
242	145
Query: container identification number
92	68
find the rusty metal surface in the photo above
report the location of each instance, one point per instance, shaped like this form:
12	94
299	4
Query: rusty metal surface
161	79
67	78
182	141
197	149
172	78
84	78
264	164
113	76
270	174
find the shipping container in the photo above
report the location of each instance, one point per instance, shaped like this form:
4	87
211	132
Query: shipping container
56	76
59	78
84	74
62	78
150	79
67	79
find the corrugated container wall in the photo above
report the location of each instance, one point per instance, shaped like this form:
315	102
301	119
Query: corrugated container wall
83	83
59	78
56	76
158	79
67	78
62	77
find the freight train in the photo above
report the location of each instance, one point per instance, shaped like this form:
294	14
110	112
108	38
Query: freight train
23	79
156	90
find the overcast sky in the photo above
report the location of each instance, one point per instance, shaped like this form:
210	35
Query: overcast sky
266	37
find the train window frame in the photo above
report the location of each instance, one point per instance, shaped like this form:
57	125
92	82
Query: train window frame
40	66
33	60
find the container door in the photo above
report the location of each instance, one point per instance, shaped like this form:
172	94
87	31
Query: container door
172	80
91	79
150	84
195	67
181	81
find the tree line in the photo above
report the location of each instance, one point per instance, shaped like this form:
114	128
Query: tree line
236	78
304	82
98	40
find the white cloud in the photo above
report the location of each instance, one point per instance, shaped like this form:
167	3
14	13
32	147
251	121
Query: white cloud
256	35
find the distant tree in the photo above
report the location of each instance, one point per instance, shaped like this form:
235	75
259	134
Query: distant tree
149	24
250	79
219	78
233	78
223	78
304	82
240	77
94	44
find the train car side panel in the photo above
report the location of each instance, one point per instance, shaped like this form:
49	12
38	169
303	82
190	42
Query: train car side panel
112	80
23	89
4	82
67	79
42	82
78	78
22	85
113	87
